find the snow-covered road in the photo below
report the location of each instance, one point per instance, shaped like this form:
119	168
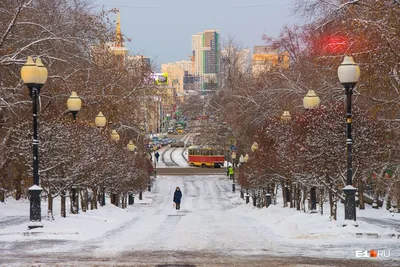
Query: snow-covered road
212	221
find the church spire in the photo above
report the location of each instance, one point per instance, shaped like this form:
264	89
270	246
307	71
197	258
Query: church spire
118	31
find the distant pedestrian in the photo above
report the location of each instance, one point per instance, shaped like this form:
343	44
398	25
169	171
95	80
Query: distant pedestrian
157	155
177	198
230	172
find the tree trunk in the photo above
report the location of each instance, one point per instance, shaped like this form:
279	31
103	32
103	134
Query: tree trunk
18	190
304	198
50	203
77	200
283	193
375	204
321	202
93	203
361	194
273	194
331	204
259	204
334	208
2	195
83	195
298	198
72	200
291	194
63	205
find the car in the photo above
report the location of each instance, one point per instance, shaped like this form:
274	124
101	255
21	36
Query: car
189	143
180	144
164	142
173	143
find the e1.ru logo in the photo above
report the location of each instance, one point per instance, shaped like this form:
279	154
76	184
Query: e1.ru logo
372	254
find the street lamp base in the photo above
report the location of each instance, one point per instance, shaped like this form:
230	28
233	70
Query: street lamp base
350	203
233	187
349	223
33	225
35	214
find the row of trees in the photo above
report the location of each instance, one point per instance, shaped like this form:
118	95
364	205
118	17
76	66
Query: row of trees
308	152
72	41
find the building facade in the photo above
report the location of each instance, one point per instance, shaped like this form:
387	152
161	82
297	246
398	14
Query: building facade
205	50
267	58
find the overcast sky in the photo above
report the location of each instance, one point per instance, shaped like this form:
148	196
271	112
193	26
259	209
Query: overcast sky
162	29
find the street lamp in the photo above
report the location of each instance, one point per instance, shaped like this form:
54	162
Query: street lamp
115	136
254	147
241	159
246	158
34	75
286	116
100	121
233	176
131	146
348	73
74	104
311	100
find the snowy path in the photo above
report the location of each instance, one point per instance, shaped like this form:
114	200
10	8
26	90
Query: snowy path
212	224
203	223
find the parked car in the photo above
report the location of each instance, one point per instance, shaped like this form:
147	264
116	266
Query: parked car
173	143
164	142
180	144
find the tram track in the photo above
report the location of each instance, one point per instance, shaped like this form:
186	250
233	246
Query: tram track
168	160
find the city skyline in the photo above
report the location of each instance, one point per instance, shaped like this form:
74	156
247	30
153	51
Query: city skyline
166	37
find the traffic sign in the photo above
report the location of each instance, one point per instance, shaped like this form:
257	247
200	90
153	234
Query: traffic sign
232	141
232	147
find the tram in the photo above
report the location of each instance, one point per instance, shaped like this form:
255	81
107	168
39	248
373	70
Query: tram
206	157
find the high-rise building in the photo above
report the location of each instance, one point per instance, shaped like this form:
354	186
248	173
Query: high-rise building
205	49
197	50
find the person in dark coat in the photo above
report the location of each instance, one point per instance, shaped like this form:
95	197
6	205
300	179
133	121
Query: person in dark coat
177	198
157	155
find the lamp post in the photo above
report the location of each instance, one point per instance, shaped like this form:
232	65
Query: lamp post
155	160
254	147
233	167
131	147
115	136
286	116
34	75
74	104
100	121
242	161
311	100
348	73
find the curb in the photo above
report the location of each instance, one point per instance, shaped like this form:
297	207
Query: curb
376	235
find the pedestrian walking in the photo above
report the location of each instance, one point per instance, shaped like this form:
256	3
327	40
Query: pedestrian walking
230	172
157	155
177	198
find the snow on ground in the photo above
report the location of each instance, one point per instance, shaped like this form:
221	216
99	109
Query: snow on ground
178	158
212	218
